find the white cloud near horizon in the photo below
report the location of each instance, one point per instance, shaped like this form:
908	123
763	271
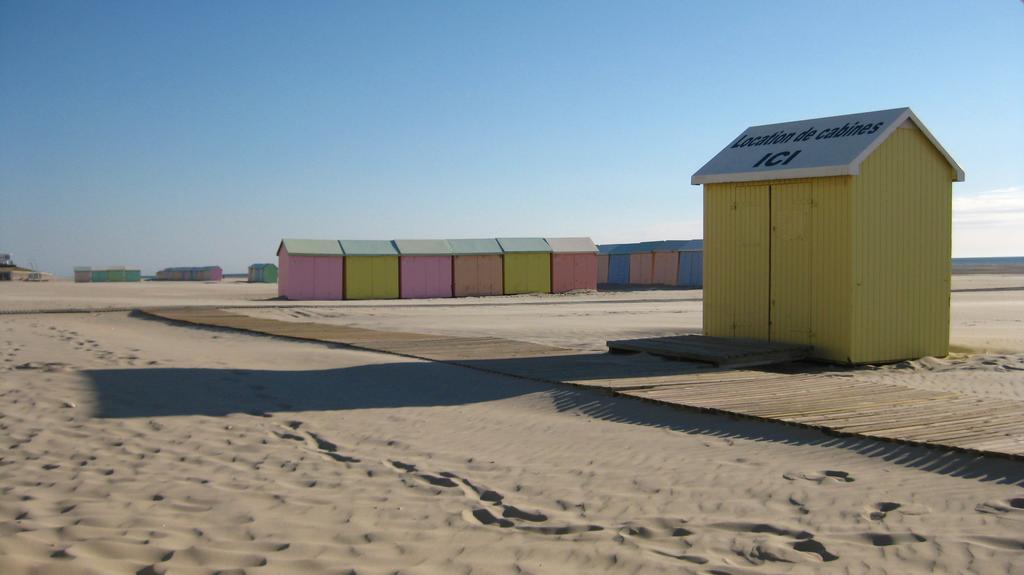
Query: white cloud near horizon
989	224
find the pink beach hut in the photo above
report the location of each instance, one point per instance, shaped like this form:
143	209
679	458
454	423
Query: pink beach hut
310	269
425	268
573	264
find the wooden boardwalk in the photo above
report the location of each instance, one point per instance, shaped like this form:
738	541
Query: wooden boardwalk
795	394
418	345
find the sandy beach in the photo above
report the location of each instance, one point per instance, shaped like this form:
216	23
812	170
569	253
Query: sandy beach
139	446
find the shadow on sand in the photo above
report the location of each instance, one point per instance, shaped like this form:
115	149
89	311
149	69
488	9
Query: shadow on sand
153	392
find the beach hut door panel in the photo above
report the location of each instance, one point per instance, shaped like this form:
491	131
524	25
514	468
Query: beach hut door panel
790	277
749	212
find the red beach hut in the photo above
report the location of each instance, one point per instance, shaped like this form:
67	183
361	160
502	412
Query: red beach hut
573	264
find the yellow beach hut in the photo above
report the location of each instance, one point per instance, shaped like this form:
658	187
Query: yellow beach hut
833	232
526	265
371	269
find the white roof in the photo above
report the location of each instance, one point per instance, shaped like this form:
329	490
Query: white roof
571	245
833	146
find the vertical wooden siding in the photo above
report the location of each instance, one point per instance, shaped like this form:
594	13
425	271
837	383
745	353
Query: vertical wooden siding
666	268
527	273
806	270
718	251
903	211
641	268
310	277
790	275
371	277
584	270
736	260
573	271
477	275
426	276
691	269
811	264
602	268
618	269
283	273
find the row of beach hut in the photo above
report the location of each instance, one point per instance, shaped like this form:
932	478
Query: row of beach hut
414	269
84	274
665	263
195	274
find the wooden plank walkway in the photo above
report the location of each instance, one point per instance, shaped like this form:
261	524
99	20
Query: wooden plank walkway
719	351
418	345
801	395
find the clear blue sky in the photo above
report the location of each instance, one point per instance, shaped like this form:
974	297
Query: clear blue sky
194	132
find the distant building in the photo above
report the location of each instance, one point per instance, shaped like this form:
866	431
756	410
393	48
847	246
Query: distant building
9	271
191	274
666	262
85	274
263	273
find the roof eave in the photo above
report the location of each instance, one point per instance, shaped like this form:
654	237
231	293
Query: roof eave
791	174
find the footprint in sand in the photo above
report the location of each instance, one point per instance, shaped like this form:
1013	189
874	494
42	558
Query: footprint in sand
408	467
437	481
800	503
444	479
827	476
881	509
665	537
325	447
510	516
776	543
998	506
887	539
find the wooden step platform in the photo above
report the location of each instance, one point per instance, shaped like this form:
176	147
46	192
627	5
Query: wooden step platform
720	351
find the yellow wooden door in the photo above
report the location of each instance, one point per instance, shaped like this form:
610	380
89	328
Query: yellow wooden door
359	277
384	274
791	261
539	280
515	274
751	287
